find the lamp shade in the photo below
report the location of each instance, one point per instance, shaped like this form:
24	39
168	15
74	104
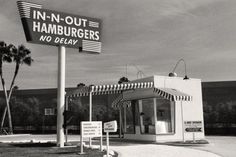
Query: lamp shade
172	74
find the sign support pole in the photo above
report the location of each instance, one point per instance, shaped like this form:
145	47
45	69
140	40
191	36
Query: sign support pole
107	144
120	125
194	141
66	106
90	114
60	95
101	149
109	127
182	119
81	140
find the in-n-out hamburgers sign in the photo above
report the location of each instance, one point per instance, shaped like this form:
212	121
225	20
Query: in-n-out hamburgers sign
43	26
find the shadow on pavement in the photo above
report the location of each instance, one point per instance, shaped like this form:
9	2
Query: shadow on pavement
33	144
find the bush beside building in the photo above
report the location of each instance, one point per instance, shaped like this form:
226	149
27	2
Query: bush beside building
34	111
219	102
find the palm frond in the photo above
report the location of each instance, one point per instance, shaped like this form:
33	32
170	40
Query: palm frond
4	50
11	47
28	60
27	51
21	48
2	44
7	58
14	51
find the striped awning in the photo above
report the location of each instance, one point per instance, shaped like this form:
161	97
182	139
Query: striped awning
166	93
107	89
172	94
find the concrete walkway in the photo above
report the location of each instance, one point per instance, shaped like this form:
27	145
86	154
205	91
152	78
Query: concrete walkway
124	148
154	150
222	145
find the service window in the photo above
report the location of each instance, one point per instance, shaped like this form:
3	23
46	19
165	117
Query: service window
165	110
147	120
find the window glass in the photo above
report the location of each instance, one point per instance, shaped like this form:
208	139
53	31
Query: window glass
147	121
131	118
140	117
49	111
165	116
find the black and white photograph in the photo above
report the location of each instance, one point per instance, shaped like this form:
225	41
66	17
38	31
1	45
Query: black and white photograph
117	78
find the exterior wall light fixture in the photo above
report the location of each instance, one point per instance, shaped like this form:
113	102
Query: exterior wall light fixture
174	74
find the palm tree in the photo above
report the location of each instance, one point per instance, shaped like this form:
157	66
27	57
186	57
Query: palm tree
22	55
5	56
19	56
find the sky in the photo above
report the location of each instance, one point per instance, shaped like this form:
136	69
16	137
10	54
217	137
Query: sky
148	36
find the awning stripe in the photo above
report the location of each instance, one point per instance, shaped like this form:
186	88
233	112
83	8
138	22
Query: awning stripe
172	94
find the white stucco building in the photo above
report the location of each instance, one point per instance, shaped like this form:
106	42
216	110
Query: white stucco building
160	113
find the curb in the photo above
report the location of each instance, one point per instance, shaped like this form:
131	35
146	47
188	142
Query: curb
15	135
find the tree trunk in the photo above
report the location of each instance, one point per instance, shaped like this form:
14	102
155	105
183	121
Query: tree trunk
9	118
7	108
3	118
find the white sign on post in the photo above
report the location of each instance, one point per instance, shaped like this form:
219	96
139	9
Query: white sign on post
110	126
90	129
193	126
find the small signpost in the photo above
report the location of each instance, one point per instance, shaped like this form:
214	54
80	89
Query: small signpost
90	129
193	127
109	127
